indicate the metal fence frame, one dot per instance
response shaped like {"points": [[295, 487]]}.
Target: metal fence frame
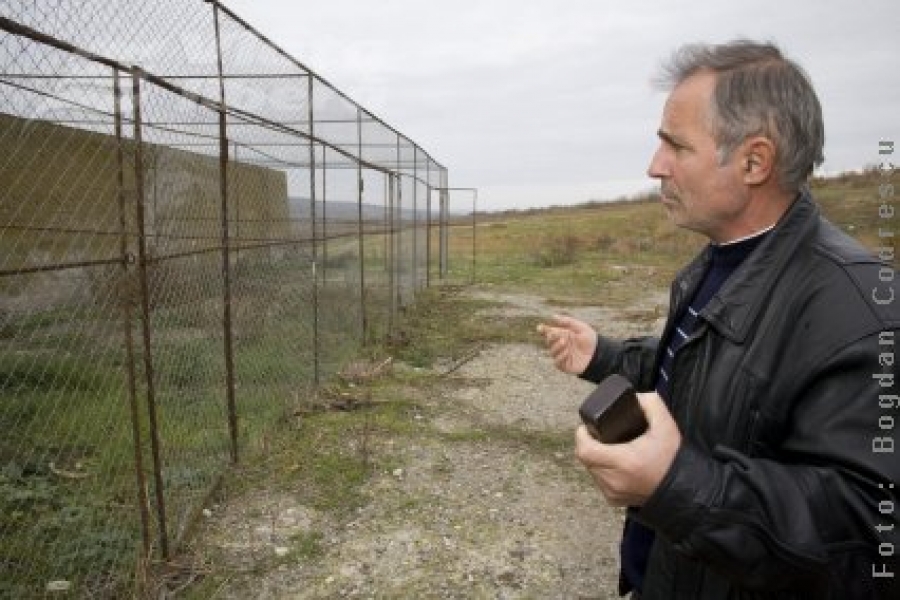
{"points": [[135, 268]]}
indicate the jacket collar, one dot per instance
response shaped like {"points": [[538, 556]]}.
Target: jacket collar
{"points": [[733, 310]]}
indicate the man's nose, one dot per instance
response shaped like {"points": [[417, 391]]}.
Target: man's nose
{"points": [[658, 167]]}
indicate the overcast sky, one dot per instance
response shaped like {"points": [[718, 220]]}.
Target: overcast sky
{"points": [[542, 102]]}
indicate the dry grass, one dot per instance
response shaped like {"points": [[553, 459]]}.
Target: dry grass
{"points": [[587, 253]]}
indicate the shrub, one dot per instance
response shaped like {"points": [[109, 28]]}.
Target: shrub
{"points": [[556, 251]]}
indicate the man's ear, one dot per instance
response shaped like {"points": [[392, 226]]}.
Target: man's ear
{"points": [[758, 157]]}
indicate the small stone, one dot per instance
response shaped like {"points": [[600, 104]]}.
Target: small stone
{"points": [[281, 551], [59, 585]]}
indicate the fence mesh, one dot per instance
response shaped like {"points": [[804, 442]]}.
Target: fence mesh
{"points": [[195, 231]]}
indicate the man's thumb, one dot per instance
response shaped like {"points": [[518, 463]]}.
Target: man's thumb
{"points": [[653, 406], [564, 321]]}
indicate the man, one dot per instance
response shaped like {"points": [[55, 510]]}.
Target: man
{"points": [[758, 476]]}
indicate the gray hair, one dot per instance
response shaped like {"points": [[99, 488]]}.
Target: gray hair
{"points": [[757, 92]]}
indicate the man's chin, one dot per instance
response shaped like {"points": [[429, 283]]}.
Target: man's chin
{"points": [[675, 215], [671, 208]]}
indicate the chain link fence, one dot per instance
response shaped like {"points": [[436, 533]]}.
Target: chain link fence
{"points": [[195, 231]]}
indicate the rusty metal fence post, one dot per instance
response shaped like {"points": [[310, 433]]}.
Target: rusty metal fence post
{"points": [[125, 303], [227, 333], [360, 229], [143, 260], [315, 241]]}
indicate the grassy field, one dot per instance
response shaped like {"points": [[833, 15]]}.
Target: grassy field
{"points": [[590, 253]]}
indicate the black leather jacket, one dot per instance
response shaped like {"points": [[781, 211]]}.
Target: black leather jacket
{"points": [[775, 490]]}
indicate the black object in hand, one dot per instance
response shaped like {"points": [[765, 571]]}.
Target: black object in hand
{"points": [[612, 413]]}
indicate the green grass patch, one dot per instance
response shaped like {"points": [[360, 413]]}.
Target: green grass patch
{"points": [[445, 324]]}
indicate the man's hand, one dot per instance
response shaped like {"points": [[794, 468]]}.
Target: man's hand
{"points": [[571, 343], [628, 474]]}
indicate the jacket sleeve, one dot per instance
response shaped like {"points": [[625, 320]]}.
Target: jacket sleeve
{"points": [[632, 358], [823, 507]]}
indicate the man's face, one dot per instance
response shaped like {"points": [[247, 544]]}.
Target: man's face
{"points": [[698, 193]]}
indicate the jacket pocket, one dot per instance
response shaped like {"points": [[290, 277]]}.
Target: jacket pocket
{"points": [[736, 425]]}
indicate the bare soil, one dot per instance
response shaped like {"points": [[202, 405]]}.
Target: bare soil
{"points": [[483, 499]]}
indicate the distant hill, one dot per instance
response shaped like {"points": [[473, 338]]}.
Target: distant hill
{"points": [[337, 210]]}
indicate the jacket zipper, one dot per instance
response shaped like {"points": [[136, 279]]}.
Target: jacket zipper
{"points": [[690, 400]]}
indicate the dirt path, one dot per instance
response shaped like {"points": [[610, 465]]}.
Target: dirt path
{"points": [[482, 500]]}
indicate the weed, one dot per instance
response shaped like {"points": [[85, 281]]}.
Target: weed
{"points": [[305, 545], [556, 251]]}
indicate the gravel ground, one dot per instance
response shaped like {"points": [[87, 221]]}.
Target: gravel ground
{"points": [[477, 508]]}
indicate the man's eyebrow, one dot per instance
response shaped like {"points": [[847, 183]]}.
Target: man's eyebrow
{"points": [[669, 138]]}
